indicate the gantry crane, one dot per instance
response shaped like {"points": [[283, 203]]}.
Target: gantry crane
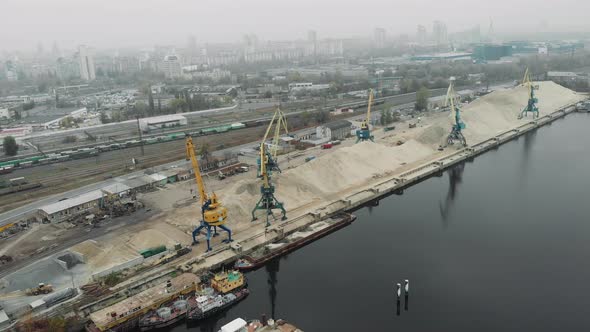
{"points": [[267, 164], [364, 133], [213, 214], [456, 134], [532, 102]]}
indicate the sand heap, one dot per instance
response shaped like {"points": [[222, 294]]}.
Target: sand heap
{"points": [[498, 111], [325, 178], [103, 255]]}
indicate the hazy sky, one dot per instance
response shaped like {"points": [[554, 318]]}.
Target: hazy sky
{"points": [[119, 23]]}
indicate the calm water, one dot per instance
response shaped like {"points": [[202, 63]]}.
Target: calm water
{"points": [[499, 244]]}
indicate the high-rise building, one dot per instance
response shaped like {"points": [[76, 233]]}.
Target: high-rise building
{"points": [[312, 39], [86, 61], [379, 36], [171, 66], [439, 32], [67, 68], [10, 71], [421, 34]]}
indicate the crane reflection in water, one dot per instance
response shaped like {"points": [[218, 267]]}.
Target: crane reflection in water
{"points": [[455, 178]]}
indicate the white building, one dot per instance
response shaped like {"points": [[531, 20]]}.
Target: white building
{"points": [[171, 66], [86, 62], [307, 86], [164, 121], [5, 113]]}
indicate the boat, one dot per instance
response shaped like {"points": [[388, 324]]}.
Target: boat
{"points": [[317, 230], [208, 305], [217, 294], [164, 316]]}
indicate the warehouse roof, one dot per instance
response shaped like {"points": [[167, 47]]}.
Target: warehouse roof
{"points": [[157, 177], [71, 202], [163, 118], [3, 317], [338, 124], [116, 188]]}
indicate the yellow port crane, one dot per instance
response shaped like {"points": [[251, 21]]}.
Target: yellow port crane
{"points": [[267, 163], [213, 214], [364, 133]]}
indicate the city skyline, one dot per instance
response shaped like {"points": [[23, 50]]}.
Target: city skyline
{"points": [[132, 23]]}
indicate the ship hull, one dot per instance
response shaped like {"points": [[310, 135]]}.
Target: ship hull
{"points": [[197, 315], [251, 263], [158, 325]]}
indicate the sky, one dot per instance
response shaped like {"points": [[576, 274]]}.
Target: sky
{"points": [[134, 23]]}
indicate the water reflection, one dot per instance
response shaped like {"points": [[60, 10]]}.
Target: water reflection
{"points": [[272, 269], [529, 141], [455, 178]]}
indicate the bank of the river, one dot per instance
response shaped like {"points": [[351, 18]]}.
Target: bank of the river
{"points": [[499, 244]]}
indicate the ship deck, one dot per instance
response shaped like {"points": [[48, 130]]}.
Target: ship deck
{"points": [[139, 304]]}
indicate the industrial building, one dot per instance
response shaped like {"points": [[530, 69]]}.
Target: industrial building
{"points": [[164, 121], [334, 130], [66, 209]]}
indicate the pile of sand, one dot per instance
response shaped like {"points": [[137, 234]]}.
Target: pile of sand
{"points": [[150, 238], [498, 112], [104, 255], [324, 178]]}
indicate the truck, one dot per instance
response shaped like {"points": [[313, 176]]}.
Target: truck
{"points": [[41, 289]]}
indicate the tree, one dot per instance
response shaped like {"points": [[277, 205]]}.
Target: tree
{"points": [[422, 99], [178, 104], [205, 152], [151, 100], [10, 146], [322, 116]]}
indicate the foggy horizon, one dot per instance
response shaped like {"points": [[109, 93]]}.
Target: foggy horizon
{"points": [[136, 23]]}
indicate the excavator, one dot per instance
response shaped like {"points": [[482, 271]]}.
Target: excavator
{"points": [[531, 106], [213, 214], [364, 133], [267, 164]]}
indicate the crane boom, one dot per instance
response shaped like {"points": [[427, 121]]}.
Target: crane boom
{"points": [[190, 154], [369, 106]]}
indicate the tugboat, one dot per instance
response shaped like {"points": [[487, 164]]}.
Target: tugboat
{"points": [[224, 290], [164, 316]]}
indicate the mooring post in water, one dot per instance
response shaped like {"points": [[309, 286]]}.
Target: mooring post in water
{"points": [[406, 293], [399, 293]]}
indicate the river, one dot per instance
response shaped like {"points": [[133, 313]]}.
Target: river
{"points": [[498, 244]]}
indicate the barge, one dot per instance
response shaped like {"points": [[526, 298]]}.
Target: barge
{"points": [[294, 241]]}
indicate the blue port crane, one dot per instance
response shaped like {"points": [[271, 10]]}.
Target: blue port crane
{"points": [[451, 101], [267, 164], [364, 133], [531, 106], [213, 214]]}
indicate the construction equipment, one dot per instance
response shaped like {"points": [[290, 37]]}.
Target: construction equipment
{"points": [[41, 289], [267, 164], [531, 106], [364, 133], [451, 101], [212, 212]]}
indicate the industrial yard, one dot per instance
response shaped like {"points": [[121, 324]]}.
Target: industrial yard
{"points": [[314, 184]]}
